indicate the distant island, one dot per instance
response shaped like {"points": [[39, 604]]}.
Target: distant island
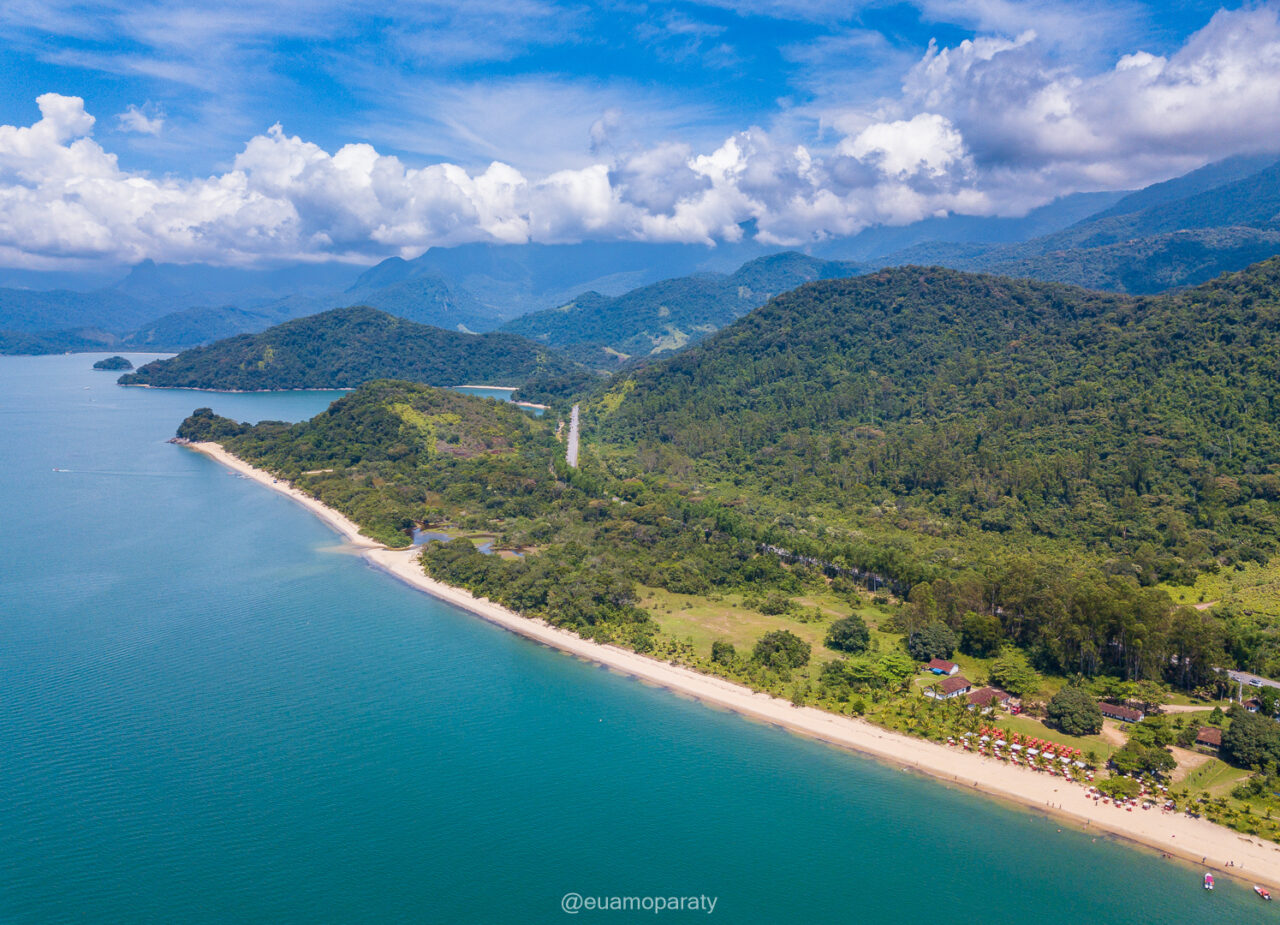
{"points": [[346, 347], [115, 363]]}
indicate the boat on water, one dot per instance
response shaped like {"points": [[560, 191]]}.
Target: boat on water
{"points": [[1263, 892], [1208, 881]]}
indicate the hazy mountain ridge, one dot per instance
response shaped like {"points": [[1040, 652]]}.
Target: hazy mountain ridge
{"points": [[673, 313], [1179, 233], [1219, 218]]}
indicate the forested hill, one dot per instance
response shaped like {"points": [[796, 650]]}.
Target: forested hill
{"points": [[668, 315], [348, 346], [964, 409], [387, 453], [1178, 233]]}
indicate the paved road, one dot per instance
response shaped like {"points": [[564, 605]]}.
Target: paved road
{"points": [[571, 454]]}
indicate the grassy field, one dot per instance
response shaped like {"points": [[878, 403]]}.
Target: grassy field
{"points": [[701, 619], [1251, 587], [1028, 726], [1214, 777]]}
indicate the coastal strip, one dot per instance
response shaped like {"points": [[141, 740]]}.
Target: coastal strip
{"points": [[1199, 841]]}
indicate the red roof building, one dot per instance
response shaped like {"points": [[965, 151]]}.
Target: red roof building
{"points": [[950, 687], [1209, 736], [942, 666], [989, 697], [1124, 714]]}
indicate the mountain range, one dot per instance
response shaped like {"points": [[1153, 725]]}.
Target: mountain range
{"points": [[1219, 218]]}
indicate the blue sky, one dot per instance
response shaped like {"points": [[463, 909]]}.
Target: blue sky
{"points": [[661, 121]]}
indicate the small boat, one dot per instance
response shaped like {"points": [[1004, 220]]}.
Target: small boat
{"points": [[1263, 892], [1208, 881]]}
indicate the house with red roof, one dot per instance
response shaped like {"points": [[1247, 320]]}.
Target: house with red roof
{"points": [[1209, 737], [942, 666], [988, 698], [1124, 714], [950, 687]]}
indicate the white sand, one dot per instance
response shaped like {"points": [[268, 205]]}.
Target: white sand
{"points": [[1254, 859]]}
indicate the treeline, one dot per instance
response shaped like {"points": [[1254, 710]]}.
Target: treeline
{"points": [[1082, 622]]}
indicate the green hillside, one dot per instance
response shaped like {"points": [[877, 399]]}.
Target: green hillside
{"points": [[972, 413], [348, 346]]}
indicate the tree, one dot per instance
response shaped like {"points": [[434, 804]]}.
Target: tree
{"points": [[1143, 759], [1075, 712], [1251, 739], [775, 603], [1122, 787], [935, 640], [723, 652], [782, 649], [849, 635], [980, 634], [1269, 697], [1014, 673], [1149, 694]]}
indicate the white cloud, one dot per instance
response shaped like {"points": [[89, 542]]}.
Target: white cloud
{"points": [[1148, 115], [926, 144], [135, 119], [991, 125]]}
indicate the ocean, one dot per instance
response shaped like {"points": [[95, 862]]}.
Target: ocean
{"points": [[211, 712]]}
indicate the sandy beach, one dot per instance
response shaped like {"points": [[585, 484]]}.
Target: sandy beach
{"points": [[1207, 845]]}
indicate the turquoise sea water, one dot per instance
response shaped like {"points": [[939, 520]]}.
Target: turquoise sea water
{"points": [[210, 713]]}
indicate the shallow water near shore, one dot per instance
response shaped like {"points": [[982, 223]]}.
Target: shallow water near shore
{"points": [[204, 717]]}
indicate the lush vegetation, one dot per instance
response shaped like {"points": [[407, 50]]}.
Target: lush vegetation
{"points": [[1034, 452], [1075, 712], [349, 346], [113, 363], [395, 454], [668, 315]]}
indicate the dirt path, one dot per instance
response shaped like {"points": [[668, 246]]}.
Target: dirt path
{"points": [[1112, 734], [1187, 760], [1186, 707]]}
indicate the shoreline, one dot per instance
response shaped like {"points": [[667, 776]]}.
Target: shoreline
{"points": [[1254, 860], [196, 388], [343, 388]]}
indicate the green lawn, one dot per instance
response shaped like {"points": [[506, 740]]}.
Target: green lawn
{"points": [[1252, 587], [1029, 726], [702, 619], [1214, 776]]}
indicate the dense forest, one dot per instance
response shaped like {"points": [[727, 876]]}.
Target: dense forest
{"points": [[347, 346], [972, 412]]}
